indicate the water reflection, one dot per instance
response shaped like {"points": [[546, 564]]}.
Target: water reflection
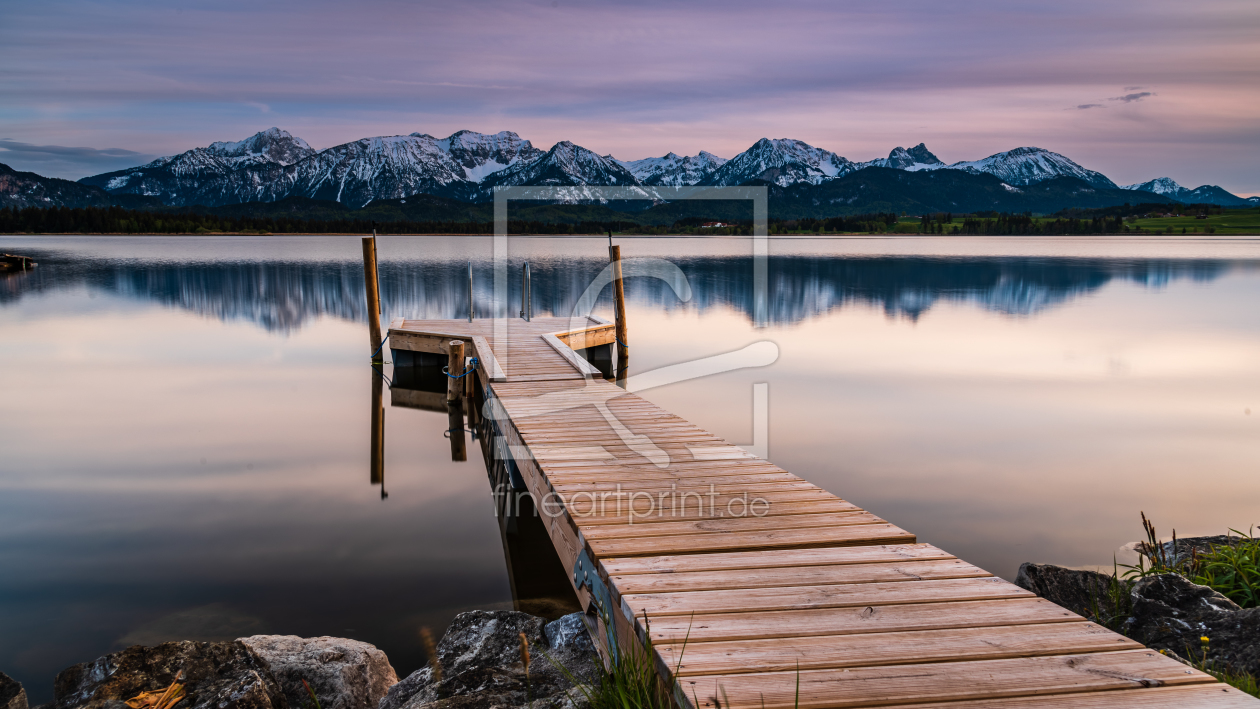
{"points": [[283, 296]]}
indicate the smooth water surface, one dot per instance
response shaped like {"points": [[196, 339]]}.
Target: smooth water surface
{"points": [[185, 421]]}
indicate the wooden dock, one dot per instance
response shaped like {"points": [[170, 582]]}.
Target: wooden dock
{"points": [[645, 507]]}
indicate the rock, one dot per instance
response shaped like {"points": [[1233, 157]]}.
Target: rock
{"points": [[12, 695], [1172, 613], [1086, 593], [1185, 548], [221, 675], [480, 661], [345, 674]]}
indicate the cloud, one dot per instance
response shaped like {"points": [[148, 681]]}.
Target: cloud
{"points": [[1130, 98], [67, 162], [1084, 106], [1134, 88]]}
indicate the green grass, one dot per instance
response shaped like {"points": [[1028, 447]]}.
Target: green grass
{"points": [[1232, 221]]}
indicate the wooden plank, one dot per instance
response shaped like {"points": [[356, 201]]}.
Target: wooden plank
{"points": [[486, 356], [791, 625], [807, 576], [728, 525], [903, 648], [944, 681], [1201, 696], [773, 559], [805, 597], [772, 539], [571, 357]]}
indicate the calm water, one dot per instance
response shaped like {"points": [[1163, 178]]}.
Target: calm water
{"points": [[185, 422]]}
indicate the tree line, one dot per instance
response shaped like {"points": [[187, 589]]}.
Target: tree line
{"points": [[116, 220]]}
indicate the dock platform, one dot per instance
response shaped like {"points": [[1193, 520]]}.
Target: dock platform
{"points": [[753, 580]]}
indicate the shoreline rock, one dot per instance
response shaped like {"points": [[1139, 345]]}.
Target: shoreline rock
{"points": [[218, 675], [344, 674], [1165, 612], [12, 694], [479, 661], [481, 664]]}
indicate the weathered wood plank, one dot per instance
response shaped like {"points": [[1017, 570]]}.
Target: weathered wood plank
{"points": [[790, 625], [903, 648], [806, 597], [945, 681]]}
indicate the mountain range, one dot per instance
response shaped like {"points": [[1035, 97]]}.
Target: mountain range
{"points": [[467, 166]]}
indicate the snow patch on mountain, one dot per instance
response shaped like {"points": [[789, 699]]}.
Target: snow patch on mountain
{"points": [[912, 160], [569, 166], [1203, 194], [781, 161], [1025, 166], [674, 170]]}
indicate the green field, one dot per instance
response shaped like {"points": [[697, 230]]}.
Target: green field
{"points": [[1232, 221]]}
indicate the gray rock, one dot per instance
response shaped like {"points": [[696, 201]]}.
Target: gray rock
{"points": [[12, 695], [1183, 549], [569, 632], [1086, 593], [221, 675], [481, 665], [1172, 613], [344, 674]]}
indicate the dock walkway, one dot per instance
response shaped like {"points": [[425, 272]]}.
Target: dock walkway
{"points": [[645, 507]]}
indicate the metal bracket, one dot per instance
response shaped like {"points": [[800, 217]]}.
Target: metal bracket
{"points": [[585, 574]]}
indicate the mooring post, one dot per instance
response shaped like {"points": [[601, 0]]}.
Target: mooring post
{"points": [[619, 301], [377, 456], [470, 293], [527, 297], [454, 367], [373, 296], [455, 429]]}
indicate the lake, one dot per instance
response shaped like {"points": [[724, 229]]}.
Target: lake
{"points": [[185, 421]]}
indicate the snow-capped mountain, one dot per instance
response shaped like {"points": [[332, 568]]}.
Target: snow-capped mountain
{"points": [[782, 161], [674, 170], [272, 145], [482, 155], [913, 160], [566, 165], [273, 164], [1204, 194], [197, 176], [1024, 166], [466, 165]]}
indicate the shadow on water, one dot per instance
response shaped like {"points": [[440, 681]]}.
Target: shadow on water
{"points": [[539, 582], [282, 296]]}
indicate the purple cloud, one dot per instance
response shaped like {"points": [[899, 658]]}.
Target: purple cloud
{"points": [[1130, 98]]}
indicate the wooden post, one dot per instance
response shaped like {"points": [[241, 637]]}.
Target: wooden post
{"points": [[527, 296], [373, 297], [470, 293], [454, 366], [619, 300], [455, 429], [377, 456]]}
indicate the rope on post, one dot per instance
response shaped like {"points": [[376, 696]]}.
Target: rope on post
{"points": [[472, 367]]}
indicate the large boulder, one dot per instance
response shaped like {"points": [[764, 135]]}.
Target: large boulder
{"points": [[220, 675], [481, 664], [1172, 613], [344, 674], [1089, 594], [12, 695]]}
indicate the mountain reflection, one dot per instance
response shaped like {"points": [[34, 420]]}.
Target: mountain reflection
{"points": [[281, 296]]}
